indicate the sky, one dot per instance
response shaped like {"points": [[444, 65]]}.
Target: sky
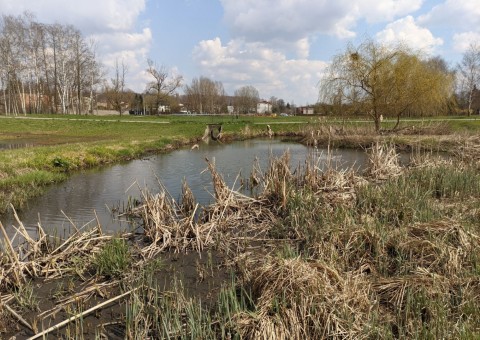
{"points": [[281, 47]]}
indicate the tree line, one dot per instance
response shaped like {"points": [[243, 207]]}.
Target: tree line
{"points": [[46, 67], [52, 68]]}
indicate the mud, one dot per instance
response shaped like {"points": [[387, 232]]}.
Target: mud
{"points": [[198, 275]]}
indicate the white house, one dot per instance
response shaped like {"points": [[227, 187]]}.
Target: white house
{"points": [[306, 110], [264, 107]]}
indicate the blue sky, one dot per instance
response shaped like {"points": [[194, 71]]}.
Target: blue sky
{"points": [[279, 46]]}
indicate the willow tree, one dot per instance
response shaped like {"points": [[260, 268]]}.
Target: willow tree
{"points": [[384, 81]]}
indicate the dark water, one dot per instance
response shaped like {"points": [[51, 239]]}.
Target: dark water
{"points": [[103, 191], [15, 144]]}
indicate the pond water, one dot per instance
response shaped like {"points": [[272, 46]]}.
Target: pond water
{"points": [[102, 191]]}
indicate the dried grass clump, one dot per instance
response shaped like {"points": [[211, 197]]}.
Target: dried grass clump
{"points": [[46, 257], [443, 247], [234, 214], [468, 150], [383, 162], [165, 227], [322, 132], [188, 203], [168, 225], [429, 160], [277, 179], [336, 185], [296, 299]]}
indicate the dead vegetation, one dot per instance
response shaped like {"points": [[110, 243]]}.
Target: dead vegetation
{"points": [[318, 253]]}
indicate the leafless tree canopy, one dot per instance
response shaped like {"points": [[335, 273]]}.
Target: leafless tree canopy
{"points": [[205, 95], [116, 94], [469, 75], [164, 83], [246, 99], [45, 68]]}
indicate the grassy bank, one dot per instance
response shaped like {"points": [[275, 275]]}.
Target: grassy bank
{"points": [[391, 252]]}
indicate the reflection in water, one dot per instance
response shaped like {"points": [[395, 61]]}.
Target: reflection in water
{"points": [[100, 191]]}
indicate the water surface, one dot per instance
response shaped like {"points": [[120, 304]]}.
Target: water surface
{"points": [[99, 193]]}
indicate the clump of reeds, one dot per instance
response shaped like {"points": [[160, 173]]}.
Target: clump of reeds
{"points": [[164, 225], [468, 150], [383, 162], [114, 259], [426, 127], [44, 256], [298, 299], [188, 204]]}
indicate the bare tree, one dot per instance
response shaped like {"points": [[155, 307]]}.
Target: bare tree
{"points": [[43, 67], [116, 94], [164, 83], [205, 95], [469, 72], [246, 99]]}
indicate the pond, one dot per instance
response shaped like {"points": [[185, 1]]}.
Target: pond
{"points": [[99, 193]]}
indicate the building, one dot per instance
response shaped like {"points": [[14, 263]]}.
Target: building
{"points": [[305, 110], [163, 108], [264, 107]]}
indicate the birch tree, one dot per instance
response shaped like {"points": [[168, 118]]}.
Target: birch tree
{"points": [[44, 67], [469, 72]]}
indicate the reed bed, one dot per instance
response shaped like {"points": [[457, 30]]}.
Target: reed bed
{"points": [[317, 253]]}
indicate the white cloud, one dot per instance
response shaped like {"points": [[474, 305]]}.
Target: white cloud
{"points": [[87, 15], [264, 20], [462, 41], [406, 31], [303, 48], [130, 48], [292, 20], [241, 63], [386, 10], [458, 14]]}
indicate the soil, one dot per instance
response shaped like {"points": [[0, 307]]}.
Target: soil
{"points": [[201, 275]]}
